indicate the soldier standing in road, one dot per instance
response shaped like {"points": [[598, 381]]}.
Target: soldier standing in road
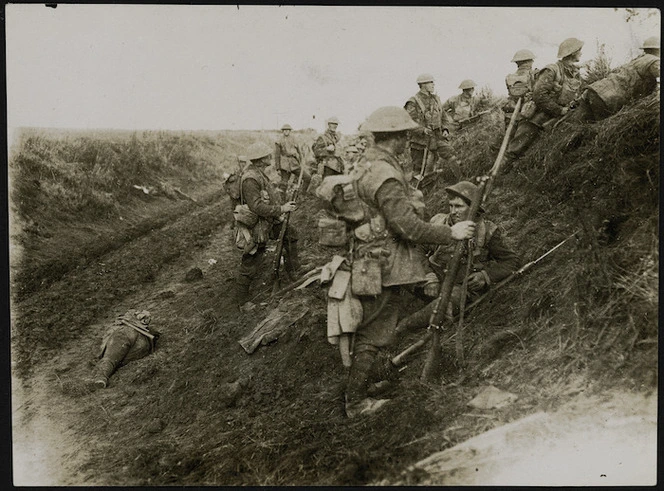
{"points": [[288, 159], [630, 82], [491, 259], [433, 129], [557, 87], [262, 198], [326, 150], [387, 238], [461, 106], [520, 84]]}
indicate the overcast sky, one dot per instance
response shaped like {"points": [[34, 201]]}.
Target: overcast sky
{"points": [[224, 67]]}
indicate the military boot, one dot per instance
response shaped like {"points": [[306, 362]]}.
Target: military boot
{"points": [[240, 294], [103, 371], [357, 402]]}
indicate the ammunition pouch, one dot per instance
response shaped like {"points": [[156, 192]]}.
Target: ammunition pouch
{"points": [[366, 276], [332, 232]]}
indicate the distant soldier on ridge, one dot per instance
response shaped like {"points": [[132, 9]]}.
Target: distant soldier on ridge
{"points": [[432, 133], [326, 150], [462, 106], [289, 159]]}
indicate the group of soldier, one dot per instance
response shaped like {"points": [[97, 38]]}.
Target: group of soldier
{"points": [[381, 209]]}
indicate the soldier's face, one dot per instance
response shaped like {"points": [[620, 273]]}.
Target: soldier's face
{"points": [[286, 132], [428, 87], [332, 126], [458, 210], [469, 92], [576, 56]]}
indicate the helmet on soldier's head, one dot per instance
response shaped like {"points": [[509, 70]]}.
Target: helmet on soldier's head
{"points": [[523, 55], [651, 43], [467, 84], [258, 150], [425, 78], [286, 127], [465, 190], [569, 46], [389, 119], [333, 119]]}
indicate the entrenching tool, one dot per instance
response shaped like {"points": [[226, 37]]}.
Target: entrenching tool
{"points": [[440, 309], [399, 359], [276, 264]]}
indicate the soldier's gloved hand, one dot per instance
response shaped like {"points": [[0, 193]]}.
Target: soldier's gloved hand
{"points": [[463, 230], [476, 281], [330, 148], [288, 207], [564, 110], [427, 131]]}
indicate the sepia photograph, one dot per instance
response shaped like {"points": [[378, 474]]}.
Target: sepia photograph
{"points": [[332, 245]]}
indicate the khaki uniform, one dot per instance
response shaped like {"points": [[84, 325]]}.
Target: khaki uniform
{"points": [[261, 196], [390, 232], [459, 107], [427, 111], [122, 344], [329, 162], [628, 83], [556, 87], [519, 85], [288, 158]]}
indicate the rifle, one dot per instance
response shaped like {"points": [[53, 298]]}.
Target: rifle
{"points": [[282, 233], [398, 360], [475, 116], [436, 320]]}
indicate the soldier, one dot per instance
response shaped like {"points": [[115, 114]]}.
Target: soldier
{"points": [[128, 339], [391, 229], [288, 159], [492, 260], [557, 87], [262, 198], [462, 106], [325, 149], [361, 144], [433, 129], [631, 81], [520, 83]]}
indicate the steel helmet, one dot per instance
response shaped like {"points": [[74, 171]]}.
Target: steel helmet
{"points": [[465, 190], [424, 78], [333, 119], [651, 43], [569, 46], [286, 127], [467, 84], [389, 119], [258, 150], [523, 55]]}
